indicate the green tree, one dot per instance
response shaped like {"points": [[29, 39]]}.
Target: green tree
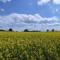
{"points": [[52, 30], [26, 30], [10, 29], [47, 30]]}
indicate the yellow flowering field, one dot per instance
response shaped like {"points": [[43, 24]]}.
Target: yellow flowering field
{"points": [[29, 45]]}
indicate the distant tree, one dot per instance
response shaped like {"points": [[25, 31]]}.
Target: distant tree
{"points": [[10, 29], [2, 30], [52, 30], [26, 30], [47, 30], [35, 31]]}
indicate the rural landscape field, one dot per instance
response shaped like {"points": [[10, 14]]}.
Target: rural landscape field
{"points": [[29, 45], [29, 29]]}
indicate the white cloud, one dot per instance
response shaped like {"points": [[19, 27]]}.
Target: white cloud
{"points": [[22, 21], [56, 1], [4, 1], [40, 2], [36, 18]]}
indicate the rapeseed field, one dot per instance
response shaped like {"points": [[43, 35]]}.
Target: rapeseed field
{"points": [[29, 45]]}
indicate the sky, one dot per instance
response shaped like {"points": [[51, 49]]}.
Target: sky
{"points": [[30, 14]]}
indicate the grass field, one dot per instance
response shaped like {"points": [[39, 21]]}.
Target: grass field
{"points": [[29, 45]]}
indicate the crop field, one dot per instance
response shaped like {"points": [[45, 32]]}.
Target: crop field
{"points": [[29, 45]]}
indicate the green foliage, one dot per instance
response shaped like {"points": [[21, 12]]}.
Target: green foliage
{"points": [[29, 45], [10, 29], [26, 30]]}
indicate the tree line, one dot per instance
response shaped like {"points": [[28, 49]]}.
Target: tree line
{"points": [[26, 30]]}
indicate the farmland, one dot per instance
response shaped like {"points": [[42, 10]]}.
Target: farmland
{"points": [[29, 45]]}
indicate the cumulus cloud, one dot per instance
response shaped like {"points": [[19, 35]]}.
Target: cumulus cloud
{"points": [[4, 1], [29, 21], [41, 2], [56, 1], [26, 18]]}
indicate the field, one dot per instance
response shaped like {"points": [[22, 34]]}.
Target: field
{"points": [[29, 45]]}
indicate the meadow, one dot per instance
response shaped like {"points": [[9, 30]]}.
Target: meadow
{"points": [[29, 45]]}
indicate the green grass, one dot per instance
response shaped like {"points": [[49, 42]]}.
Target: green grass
{"points": [[29, 45]]}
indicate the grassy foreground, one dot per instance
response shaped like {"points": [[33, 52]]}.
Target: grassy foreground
{"points": [[29, 45]]}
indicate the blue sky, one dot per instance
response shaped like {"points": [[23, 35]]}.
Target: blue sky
{"points": [[30, 14], [29, 7]]}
